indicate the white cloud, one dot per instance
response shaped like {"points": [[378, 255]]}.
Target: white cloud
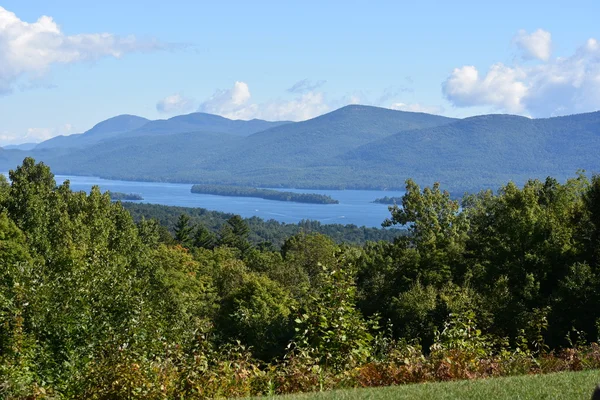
{"points": [[228, 102], [558, 87], [416, 107], [35, 135], [175, 103], [27, 50], [502, 87], [536, 45], [235, 103]]}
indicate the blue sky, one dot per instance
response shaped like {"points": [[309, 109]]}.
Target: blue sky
{"points": [[290, 60]]}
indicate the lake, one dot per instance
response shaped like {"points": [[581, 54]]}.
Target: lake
{"points": [[355, 206]]}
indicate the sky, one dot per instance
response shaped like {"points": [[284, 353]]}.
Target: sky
{"points": [[66, 65]]}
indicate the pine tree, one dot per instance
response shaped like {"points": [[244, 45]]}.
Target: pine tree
{"points": [[183, 230]]}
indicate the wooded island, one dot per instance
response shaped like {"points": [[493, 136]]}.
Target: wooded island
{"points": [[268, 194]]}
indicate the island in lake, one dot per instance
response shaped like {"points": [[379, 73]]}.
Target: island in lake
{"points": [[124, 196], [388, 200], [268, 194]]}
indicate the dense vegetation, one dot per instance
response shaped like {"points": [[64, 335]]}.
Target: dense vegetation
{"points": [[268, 194], [271, 233], [124, 196], [388, 200], [355, 147], [94, 305]]}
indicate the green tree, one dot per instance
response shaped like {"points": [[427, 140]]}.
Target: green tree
{"points": [[204, 238], [31, 186], [329, 327], [235, 234], [437, 234], [302, 253], [183, 230]]}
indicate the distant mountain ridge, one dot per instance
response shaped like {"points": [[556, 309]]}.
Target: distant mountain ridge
{"points": [[22, 146], [352, 147], [127, 126]]}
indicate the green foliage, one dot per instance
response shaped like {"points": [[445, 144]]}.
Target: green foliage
{"points": [[183, 230], [235, 233], [329, 328], [204, 238], [257, 312], [93, 305], [437, 231]]}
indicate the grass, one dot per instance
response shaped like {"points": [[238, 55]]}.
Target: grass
{"points": [[562, 385]]}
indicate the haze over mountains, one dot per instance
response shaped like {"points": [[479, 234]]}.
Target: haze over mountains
{"points": [[352, 147]]}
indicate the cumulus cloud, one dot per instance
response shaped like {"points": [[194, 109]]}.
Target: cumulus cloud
{"points": [[502, 87], [35, 135], [228, 102], [536, 45], [560, 86], [305, 86], [175, 103], [235, 103], [27, 50]]}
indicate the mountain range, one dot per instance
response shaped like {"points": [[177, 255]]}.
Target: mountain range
{"points": [[360, 147]]}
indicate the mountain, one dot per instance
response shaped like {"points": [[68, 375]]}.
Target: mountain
{"points": [[99, 132], [201, 122], [318, 140], [148, 158], [128, 126], [356, 147], [22, 146], [272, 156], [487, 150]]}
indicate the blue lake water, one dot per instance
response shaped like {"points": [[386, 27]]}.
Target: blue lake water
{"points": [[355, 205]]}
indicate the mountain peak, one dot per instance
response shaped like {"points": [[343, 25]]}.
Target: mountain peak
{"points": [[120, 123]]}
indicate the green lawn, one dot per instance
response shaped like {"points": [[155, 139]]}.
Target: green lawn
{"points": [[564, 385]]}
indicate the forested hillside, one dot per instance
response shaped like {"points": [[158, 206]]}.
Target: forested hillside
{"points": [[482, 151], [96, 305]]}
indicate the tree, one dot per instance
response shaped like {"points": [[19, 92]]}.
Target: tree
{"points": [[149, 232], [235, 234], [303, 253], [329, 327], [437, 234], [204, 238], [31, 186], [183, 230]]}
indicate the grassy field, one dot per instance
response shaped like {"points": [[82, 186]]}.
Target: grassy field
{"points": [[564, 385]]}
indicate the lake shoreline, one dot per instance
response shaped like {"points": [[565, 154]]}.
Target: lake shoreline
{"points": [[355, 206], [197, 182]]}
